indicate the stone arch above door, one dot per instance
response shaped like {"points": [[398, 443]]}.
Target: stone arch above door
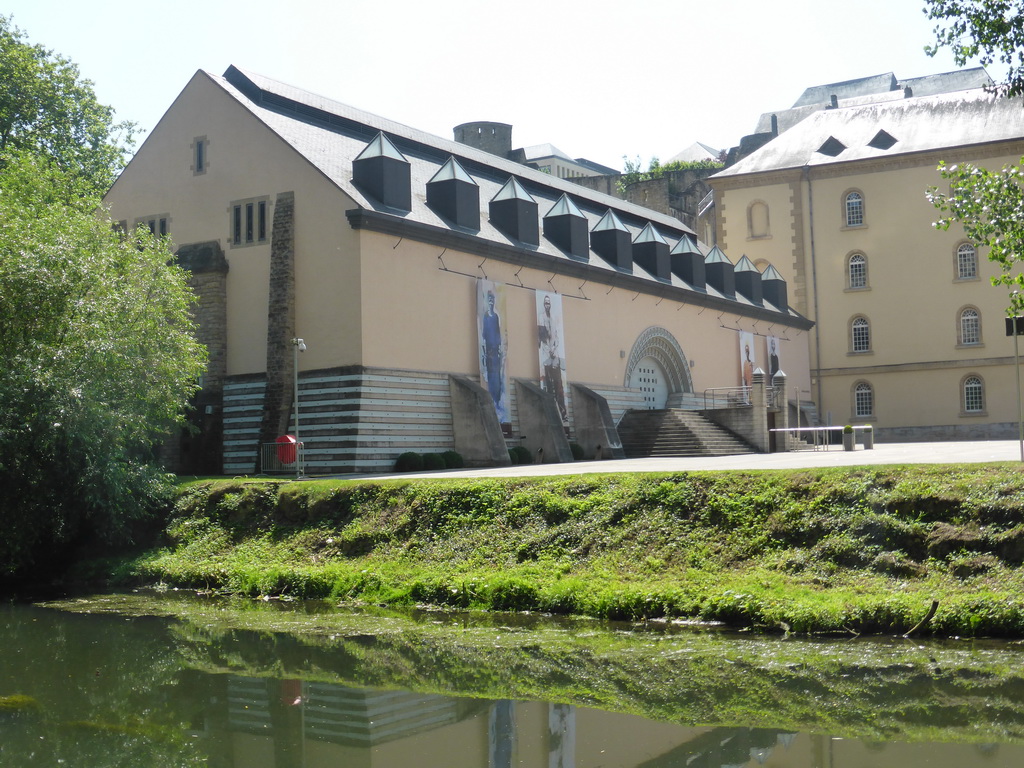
{"points": [[659, 345]]}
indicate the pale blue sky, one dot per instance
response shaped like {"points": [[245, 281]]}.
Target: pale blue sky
{"points": [[598, 79]]}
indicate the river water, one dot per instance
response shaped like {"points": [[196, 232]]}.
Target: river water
{"points": [[155, 680]]}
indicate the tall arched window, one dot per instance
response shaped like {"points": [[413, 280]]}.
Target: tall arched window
{"points": [[860, 335], [966, 262], [857, 271], [974, 395], [863, 400], [854, 209], [970, 326]]}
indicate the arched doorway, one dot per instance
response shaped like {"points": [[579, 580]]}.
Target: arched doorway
{"points": [[657, 367]]}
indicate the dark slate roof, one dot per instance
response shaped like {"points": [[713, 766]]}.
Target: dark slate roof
{"points": [[329, 135], [916, 124], [870, 90], [847, 89]]}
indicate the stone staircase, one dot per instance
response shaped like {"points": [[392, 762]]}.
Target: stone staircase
{"points": [[676, 433]]}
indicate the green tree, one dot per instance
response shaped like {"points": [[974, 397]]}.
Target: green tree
{"points": [[987, 30], [990, 207], [99, 358], [47, 109]]}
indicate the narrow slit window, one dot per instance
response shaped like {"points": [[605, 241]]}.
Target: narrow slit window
{"points": [[248, 222], [236, 225], [262, 220]]}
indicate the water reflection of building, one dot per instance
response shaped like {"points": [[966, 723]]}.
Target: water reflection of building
{"points": [[267, 723]]}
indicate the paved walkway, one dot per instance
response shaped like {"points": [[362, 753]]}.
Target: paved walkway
{"points": [[972, 452]]}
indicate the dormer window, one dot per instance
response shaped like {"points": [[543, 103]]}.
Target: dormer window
{"points": [[832, 147], [882, 140]]}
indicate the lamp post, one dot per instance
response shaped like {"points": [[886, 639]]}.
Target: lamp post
{"points": [[1014, 324], [298, 346]]}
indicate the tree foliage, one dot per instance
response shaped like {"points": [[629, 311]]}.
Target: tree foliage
{"points": [[655, 170], [990, 207], [991, 31], [100, 359], [48, 110]]}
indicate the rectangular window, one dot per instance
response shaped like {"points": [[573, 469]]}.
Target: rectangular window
{"points": [[249, 221], [200, 155], [157, 224]]}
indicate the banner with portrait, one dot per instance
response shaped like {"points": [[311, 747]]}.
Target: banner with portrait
{"points": [[550, 348], [772, 347], [748, 359], [492, 341]]}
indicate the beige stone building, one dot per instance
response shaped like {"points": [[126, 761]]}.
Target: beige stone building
{"points": [[385, 249], [909, 331]]}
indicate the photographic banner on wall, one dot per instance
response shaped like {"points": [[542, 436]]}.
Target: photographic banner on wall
{"points": [[550, 348], [748, 359], [773, 346], [492, 339]]}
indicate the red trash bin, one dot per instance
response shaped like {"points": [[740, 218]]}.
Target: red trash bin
{"points": [[287, 449]]}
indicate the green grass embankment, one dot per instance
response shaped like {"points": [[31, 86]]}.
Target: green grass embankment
{"points": [[859, 550]]}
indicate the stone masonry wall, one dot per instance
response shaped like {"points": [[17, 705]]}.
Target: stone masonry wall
{"points": [[280, 321]]}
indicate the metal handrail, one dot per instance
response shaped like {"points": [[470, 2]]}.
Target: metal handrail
{"points": [[727, 397]]}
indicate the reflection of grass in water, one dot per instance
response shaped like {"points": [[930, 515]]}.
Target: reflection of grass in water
{"points": [[873, 689], [853, 550], [19, 704]]}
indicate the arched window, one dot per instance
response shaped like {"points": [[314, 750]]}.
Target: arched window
{"points": [[757, 219], [857, 271], [966, 262], [970, 326], [863, 400], [854, 208], [974, 394], [860, 335]]}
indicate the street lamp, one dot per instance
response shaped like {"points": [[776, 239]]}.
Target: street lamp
{"points": [[1013, 323], [299, 346]]}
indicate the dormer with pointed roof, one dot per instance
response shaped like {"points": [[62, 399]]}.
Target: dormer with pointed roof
{"points": [[384, 173], [453, 194], [566, 227], [610, 239], [650, 251], [748, 281], [720, 272], [687, 263], [773, 288], [513, 212]]}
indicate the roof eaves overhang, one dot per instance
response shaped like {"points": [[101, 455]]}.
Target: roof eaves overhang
{"points": [[375, 221]]}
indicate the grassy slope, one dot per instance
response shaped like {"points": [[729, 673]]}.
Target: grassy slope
{"points": [[850, 550]]}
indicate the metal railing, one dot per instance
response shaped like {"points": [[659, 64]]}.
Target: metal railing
{"points": [[281, 458], [726, 397]]}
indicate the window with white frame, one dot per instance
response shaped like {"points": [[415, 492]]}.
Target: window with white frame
{"points": [[249, 221], [966, 262], [854, 209], [857, 271], [860, 335], [970, 326], [863, 400], [974, 395]]}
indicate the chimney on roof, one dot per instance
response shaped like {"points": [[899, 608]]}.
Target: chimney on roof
{"points": [[775, 125], [833, 102], [908, 92]]}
